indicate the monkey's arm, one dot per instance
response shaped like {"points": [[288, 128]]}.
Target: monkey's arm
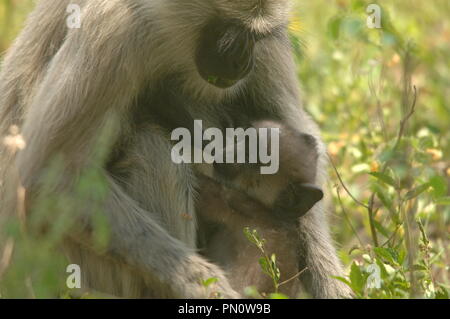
{"points": [[221, 204], [97, 71]]}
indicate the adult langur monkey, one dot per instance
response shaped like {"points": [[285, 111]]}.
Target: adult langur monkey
{"points": [[60, 86]]}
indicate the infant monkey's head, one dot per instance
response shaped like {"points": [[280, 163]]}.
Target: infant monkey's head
{"points": [[289, 193]]}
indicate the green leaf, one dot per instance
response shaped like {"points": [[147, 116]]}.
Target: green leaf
{"points": [[334, 27], [344, 280], [388, 254], [252, 292], [401, 256], [357, 278], [278, 296], [209, 282], [419, 267], [439, 185], [424, 236], [384, 178], [387, 202], [442, 293], [445, 201], [417, 191], [253, 237], [265, 266], [275, 269], [249, 235], [381, 229]]}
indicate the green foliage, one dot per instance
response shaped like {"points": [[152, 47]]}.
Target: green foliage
{"points": [[380, 96], [268, 265], [12, 14]]}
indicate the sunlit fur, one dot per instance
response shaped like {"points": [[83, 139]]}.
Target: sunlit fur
{"points": [[61, 86]]}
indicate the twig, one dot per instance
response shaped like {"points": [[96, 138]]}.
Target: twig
{"points": [[400, 135], [374, 92], [368, 207], [405, 120], [392, 237], [292, 278], [346, 216], [373, 230], [409, 248], [344, 186]]}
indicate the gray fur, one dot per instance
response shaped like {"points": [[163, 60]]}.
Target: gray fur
{"points": [[61, 86]]}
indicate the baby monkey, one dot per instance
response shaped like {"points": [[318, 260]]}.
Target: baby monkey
{"points": [[290, 192], [239, 197]]}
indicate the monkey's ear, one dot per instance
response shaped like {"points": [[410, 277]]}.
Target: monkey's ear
{"points": [[297, 200]]}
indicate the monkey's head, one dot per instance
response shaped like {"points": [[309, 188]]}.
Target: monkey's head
{"points": [[291, 192], [225, 52]]}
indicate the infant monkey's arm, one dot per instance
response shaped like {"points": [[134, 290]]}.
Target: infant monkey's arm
{"points": [[225, 205]]}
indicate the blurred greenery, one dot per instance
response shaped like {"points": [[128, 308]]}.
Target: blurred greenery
{"points": [[381, 99]]}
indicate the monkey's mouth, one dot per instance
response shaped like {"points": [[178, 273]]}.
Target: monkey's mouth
{"points": [[221, 82]]}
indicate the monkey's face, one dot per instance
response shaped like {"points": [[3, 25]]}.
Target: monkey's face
{"points": [[226, 50]]}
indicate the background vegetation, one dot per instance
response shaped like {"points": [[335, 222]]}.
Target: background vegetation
{"points": [[381, 98]]}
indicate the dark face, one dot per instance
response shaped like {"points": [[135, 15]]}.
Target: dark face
{"points": [[225, 53], [296, 200]]}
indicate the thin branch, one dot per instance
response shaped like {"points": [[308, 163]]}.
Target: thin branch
{"points": [[346, 216], [392, 237], [400, 135], [344, 186], [292, 278], [374, 92], [409, 247], [405, 120], [372, 220]]}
